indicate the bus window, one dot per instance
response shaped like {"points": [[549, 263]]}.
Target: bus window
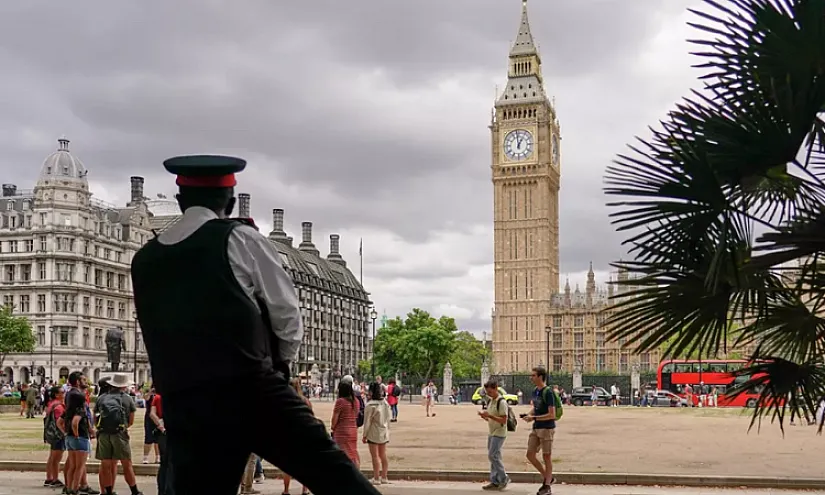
{"points": [[741, 379], [719, 368], [668, 368], [684, 368], [734, 367]]}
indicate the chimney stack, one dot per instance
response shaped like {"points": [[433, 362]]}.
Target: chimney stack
{"points": [[306, 239], [9, 190], [289, 241], [278, 233], [137, 190], [243, 205], [334, 253]]}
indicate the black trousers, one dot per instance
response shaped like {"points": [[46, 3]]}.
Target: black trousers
{"points": [[209, 444], [164, 473]]}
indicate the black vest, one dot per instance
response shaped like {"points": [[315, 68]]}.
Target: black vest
{"points": [[197, 322]]}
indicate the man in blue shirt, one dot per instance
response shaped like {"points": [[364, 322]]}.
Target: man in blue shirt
{"points": [[543, 417]]}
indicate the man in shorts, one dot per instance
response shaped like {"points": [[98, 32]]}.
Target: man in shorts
{"points": [[115, 413], [543, 417], [75, 423]]}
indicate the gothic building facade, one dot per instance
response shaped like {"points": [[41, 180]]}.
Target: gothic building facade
{"points": [[65, 260]]}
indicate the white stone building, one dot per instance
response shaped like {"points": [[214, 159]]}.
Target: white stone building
{"points": [[65, 260]]}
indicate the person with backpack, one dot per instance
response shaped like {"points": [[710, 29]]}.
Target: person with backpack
{"points": [[393, 395], [115, 413], [543, 416], [497, 415], [54, 437]]}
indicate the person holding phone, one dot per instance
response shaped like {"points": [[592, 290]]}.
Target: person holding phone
{"points": [[496, 416]]}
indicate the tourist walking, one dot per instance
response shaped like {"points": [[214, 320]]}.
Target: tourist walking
{"points": [[217, 309], [115, 412], [296, 384], [496, 417], [428, 394], [543, 417], [393, 396], [150, 443], [377, 432], [344, 426]]}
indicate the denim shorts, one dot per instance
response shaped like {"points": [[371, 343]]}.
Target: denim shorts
{"points": [[75, 444]]}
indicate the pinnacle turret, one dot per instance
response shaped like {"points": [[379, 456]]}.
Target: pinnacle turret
{"points": [[524, 44]]}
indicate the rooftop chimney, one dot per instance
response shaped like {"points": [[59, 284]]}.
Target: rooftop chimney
{"points": [[278, 233], [334, 254], [137, 190], [306, 239], [9, 190], [243, 205], [289, 241]]}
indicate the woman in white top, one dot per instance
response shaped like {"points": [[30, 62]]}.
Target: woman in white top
{"points": [[377, 432], [428, 397]]}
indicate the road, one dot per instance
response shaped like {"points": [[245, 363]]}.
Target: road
{"points": [[14, 483]]}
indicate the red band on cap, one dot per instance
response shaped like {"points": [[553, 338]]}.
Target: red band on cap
{"points": [[207, 181]]}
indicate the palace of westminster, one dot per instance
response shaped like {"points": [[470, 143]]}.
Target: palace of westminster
{"points": [[65, 259]]}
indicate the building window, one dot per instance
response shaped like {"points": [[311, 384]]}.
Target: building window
{"points": [[558, 362], [41, 303], [63, 336], [41, 335], [25, 303], [41, 269], [65, 244], [121, 281], [87, 273], [28, 245], [8, 301], [65, 272], [43, 243], [118, 256], [98, 307], [623, 363], [98, 338], [601, 362], [121, 310], [110, 280], [645, 362], [557, 340], [86, 305], [64, 303], [26, 272], [599, 319], [43, 222], [9, 273], [110, 309], [578, 321], [86, 338], [98, 277], [599, 339], [12, 244], [578, 340], [557, 322]]}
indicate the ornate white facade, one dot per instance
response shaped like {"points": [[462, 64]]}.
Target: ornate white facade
{"points": [[65, 260]]}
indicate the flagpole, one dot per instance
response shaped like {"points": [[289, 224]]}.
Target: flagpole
{"points": [[361, 256]]}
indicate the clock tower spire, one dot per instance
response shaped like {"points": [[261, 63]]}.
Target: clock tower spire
{"points": [[526, 173]]}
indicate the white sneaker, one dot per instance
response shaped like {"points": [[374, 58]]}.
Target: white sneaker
{"points": [[145, 459], [375, 481], [385, 481]]}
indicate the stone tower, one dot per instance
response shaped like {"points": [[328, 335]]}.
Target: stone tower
{"points": [[526, 173]]}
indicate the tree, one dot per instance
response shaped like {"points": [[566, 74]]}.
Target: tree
{"points": [[467, 356], [419, 345], [723, 206], [15, 333]]}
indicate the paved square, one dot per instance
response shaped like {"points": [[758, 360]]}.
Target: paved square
{"points": [[614, 440]]}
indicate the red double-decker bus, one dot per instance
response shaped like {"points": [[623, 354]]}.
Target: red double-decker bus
{"points": [[701, 377]]}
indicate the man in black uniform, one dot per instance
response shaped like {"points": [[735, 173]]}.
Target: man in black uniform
{"points": [[217, 310]]}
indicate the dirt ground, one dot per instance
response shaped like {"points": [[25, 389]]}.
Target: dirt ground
{"points": [[618, 440]]}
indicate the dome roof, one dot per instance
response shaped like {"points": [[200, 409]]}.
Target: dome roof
{"points": [[63, 165]]}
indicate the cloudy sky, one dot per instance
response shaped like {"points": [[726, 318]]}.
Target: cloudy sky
{"points": [[367, 117]]}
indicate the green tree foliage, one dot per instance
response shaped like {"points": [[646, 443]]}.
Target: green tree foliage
{"points": [[15, 334], [419, 345], [467, 356], [723, 206]]}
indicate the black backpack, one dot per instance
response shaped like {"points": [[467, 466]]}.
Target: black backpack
{"points": [[51, 433], [359, 421], [111, 413], [396, 391]]}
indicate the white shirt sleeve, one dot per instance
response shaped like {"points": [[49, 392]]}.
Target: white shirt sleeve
{"points": [[258, 267]]}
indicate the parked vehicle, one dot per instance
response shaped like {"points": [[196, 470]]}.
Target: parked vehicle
{"points": [[664, 398], [481, 396], [581, 396]]}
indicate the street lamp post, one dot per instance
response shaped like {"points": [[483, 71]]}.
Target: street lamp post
{"points": [[51, 353], [547, 348], [134, 361], [374, 316]]}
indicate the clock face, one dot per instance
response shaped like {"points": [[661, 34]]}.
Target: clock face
{"points": [[556, 150], [518, 144]]}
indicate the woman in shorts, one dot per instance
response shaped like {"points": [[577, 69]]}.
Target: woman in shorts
{"points": [[377, 432]]}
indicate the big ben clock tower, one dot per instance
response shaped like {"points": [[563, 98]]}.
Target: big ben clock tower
{"points": [[526, 172]]}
